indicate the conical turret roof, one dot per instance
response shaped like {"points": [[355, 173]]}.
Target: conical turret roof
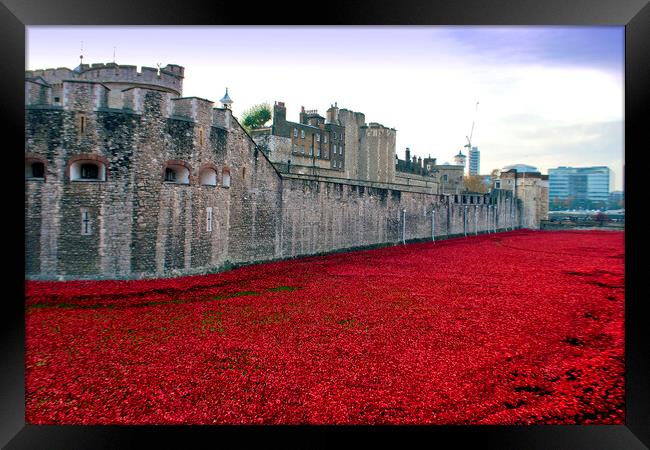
{"points": [[226, 100]]}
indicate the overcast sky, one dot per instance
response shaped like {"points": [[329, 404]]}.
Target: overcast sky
{"points": [[548, 96]]}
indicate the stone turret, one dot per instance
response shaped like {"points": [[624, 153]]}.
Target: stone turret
{"points": [[333, 114], [460, 159], [279, 113]]}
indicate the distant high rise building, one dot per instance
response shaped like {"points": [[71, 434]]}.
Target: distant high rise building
{"points": [[474, 161], [580, 186]]}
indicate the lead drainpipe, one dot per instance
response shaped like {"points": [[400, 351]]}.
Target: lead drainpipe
{"points": [[404, 227], [313, 155]]}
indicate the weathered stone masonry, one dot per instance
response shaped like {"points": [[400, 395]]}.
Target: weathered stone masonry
{"points": [[139, 225]]}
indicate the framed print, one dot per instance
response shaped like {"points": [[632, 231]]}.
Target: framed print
{"points": [[404, 222]]}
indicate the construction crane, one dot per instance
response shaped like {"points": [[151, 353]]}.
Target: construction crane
{"points": [[471, 133]]}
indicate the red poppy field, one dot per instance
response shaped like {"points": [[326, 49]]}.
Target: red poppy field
{"points": [[523, 327]]}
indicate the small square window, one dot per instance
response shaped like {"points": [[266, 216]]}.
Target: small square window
{"points": [[295, 132]]}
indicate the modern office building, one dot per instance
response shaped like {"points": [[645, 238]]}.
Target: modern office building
{"points": [[617, 199], [474, 161], [580, 186]]}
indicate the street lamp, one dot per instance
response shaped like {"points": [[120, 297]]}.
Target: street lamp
{"points": [[487, 218], [465, 221], [433, 225]]}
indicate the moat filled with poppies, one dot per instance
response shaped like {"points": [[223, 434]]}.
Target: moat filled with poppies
{"points": [[522, 327]]}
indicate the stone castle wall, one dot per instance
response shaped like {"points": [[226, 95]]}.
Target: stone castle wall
{"points": [[143, 226], [321, 216]]}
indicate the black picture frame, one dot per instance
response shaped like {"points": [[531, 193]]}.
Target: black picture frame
{"points": [[15, 15]]}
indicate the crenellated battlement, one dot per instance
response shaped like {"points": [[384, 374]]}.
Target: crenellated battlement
{"points": [[115, 76], [378, 127], [87, 96]]}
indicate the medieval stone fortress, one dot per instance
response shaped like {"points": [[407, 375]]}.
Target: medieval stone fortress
{"points": [[125, 178]]}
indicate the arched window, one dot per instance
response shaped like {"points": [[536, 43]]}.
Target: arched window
{"points": [[225, 178], [208, 177], [177, 172], [88, 170], [34, 169]]}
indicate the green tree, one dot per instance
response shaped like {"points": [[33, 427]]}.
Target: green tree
{"points": [[256, 116], [475, 183]]}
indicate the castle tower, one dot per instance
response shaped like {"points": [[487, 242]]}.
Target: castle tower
{"points": [[116, 78]]}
